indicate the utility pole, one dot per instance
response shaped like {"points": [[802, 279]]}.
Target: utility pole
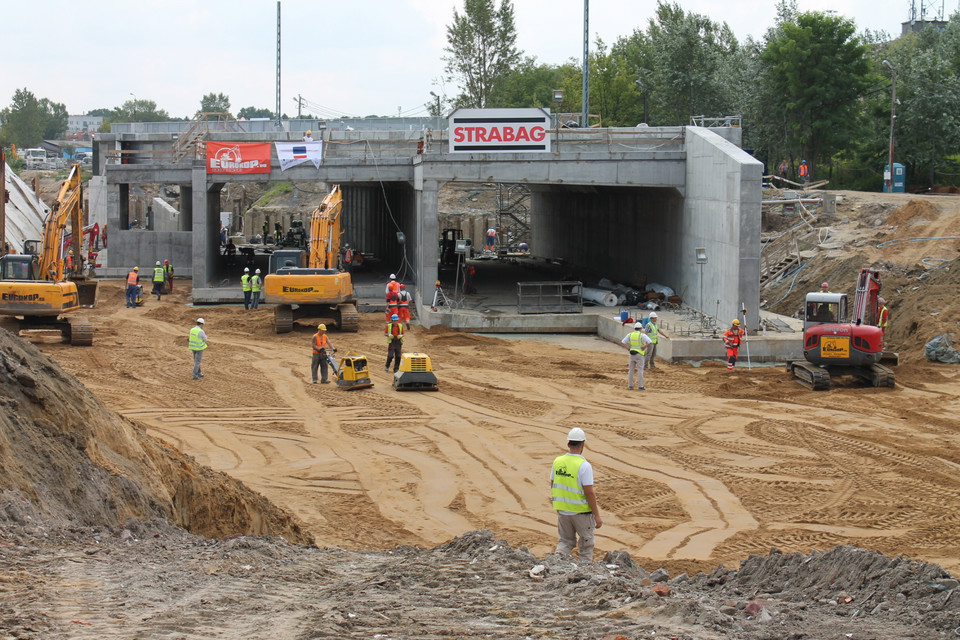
{"points": [[893, 118], [585, 107], [299, 105], [438, 108], [3, 201], [278, 65]]}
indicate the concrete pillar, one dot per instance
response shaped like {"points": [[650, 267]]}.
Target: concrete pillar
{"points": [[203, 266], [427, 226]]}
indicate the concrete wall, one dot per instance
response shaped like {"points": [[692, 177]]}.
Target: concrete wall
{"points": [[137, 247], [164, 216], [721, 213], [616, 232]]}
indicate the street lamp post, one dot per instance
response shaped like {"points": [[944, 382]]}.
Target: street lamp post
{"points": [[134, 110], [893, 116]]}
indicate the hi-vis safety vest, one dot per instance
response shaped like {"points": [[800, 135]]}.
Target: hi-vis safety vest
{"points": [[320, 342], [255, 283], [158, 274], [392, 332], [196, 342], [567, 493], [882, 318], [636, 343], [245, 282], [654, 332], [132, 277]]}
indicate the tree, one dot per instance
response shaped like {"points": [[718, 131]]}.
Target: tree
{"points": [[253, 112], [689, 51], [530, 85], [482, 51], [215, 103], [28, 120], [816, 73]]}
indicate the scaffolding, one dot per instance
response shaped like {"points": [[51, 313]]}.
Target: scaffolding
{"points": [[513, 215]]}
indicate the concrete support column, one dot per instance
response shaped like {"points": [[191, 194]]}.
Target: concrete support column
{"points": [[427, 225], [203, 266]]}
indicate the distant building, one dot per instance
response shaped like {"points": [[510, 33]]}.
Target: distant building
{"points": [[79, 124]]}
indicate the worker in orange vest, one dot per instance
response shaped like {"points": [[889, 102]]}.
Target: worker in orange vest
{"points": [[320, 345], [403, 306], [732, 338], [393, 285], [133, 280], [804, 172]]}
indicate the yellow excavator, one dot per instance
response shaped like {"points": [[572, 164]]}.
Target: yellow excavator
{"points": [[40, 285], [310, 283]]}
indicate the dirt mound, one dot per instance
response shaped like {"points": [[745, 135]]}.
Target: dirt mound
{"points": [[911, 211], [82, 464]]}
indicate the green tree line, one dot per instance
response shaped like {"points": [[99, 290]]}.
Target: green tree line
{"points": [[813, 88]]}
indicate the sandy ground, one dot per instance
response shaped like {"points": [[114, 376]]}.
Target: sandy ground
{"points": [[705, 467]]}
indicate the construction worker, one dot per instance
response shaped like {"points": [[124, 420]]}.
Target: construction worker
{"points": [[320, 345], [246, 286], [309, 136], [732, 339], [347, 258], [882, 316], [393, 285], [158, 279], [256, 284], [168, 272], [394, 334], [804, 172], [636, 342], [653, 330], [825, 287], [70, 260], [491, 239], [573, 497], [403, 304], [393, 303], [198, 344], [133, 281]]}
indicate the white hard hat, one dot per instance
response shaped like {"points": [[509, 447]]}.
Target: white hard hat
{"points": [[576, 435], [393, 276], [199, 320], [158, 263], [881, 300], [653, 314], [245, 269], [257, 271], [639, 325]]}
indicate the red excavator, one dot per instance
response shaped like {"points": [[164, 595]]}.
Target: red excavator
{"points": [[835, 345]]}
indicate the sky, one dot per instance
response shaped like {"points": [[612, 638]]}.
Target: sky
{"points": [[359, 58]]}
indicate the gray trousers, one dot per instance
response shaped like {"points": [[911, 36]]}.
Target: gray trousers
{"points": [[636, 364], [648, 359], [197, 357], [569, 528]]}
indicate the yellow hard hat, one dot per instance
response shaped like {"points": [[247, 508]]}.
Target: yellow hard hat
{"points": [[136, 268], [309, 132], [321, 327], [736, 322]]}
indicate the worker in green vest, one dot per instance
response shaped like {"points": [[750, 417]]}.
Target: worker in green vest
{"points": [[246, 286]]}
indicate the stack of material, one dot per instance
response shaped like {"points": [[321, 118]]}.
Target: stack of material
{"points": [[25, 212]]}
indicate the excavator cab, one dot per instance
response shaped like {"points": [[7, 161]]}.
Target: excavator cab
{"points": [[17, 267]]}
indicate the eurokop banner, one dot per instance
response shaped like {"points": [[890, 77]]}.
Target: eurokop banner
{"points": [[499, 130]]}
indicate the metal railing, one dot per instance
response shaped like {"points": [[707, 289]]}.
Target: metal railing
{"points": [[550, 297]]}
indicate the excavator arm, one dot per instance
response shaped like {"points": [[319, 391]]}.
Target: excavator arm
{"points": [[325, 232], [68, 207]]}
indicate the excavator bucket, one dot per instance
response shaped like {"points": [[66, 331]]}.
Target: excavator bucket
{"points": [[87, 292]]}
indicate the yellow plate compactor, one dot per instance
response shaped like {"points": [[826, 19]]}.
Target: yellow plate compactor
{"points": [[353, 372], [415, 373]]}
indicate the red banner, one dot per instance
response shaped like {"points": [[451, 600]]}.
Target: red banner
{"points": [[238, 157]]}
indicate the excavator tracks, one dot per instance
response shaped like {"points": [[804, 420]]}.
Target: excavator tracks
{"points": [[349, 318], [880, 376], [283, 318], [810, 376], [81, 334]]}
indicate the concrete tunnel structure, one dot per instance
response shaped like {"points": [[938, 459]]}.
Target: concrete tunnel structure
{"points": [[624, 202]]}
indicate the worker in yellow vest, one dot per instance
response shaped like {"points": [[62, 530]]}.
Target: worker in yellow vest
{"points": [[573, 497], [246, 286]]}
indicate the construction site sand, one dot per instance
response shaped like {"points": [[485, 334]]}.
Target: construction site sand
{"points": [[705, 467]]}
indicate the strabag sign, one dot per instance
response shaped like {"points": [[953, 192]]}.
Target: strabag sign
{"points": [[238, 157], [499, 130]]}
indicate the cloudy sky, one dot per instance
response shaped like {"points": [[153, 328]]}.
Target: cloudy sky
{"points": [[365, 57]]}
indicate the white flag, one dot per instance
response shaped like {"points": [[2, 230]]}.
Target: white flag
{"points": [[291, 154]]}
